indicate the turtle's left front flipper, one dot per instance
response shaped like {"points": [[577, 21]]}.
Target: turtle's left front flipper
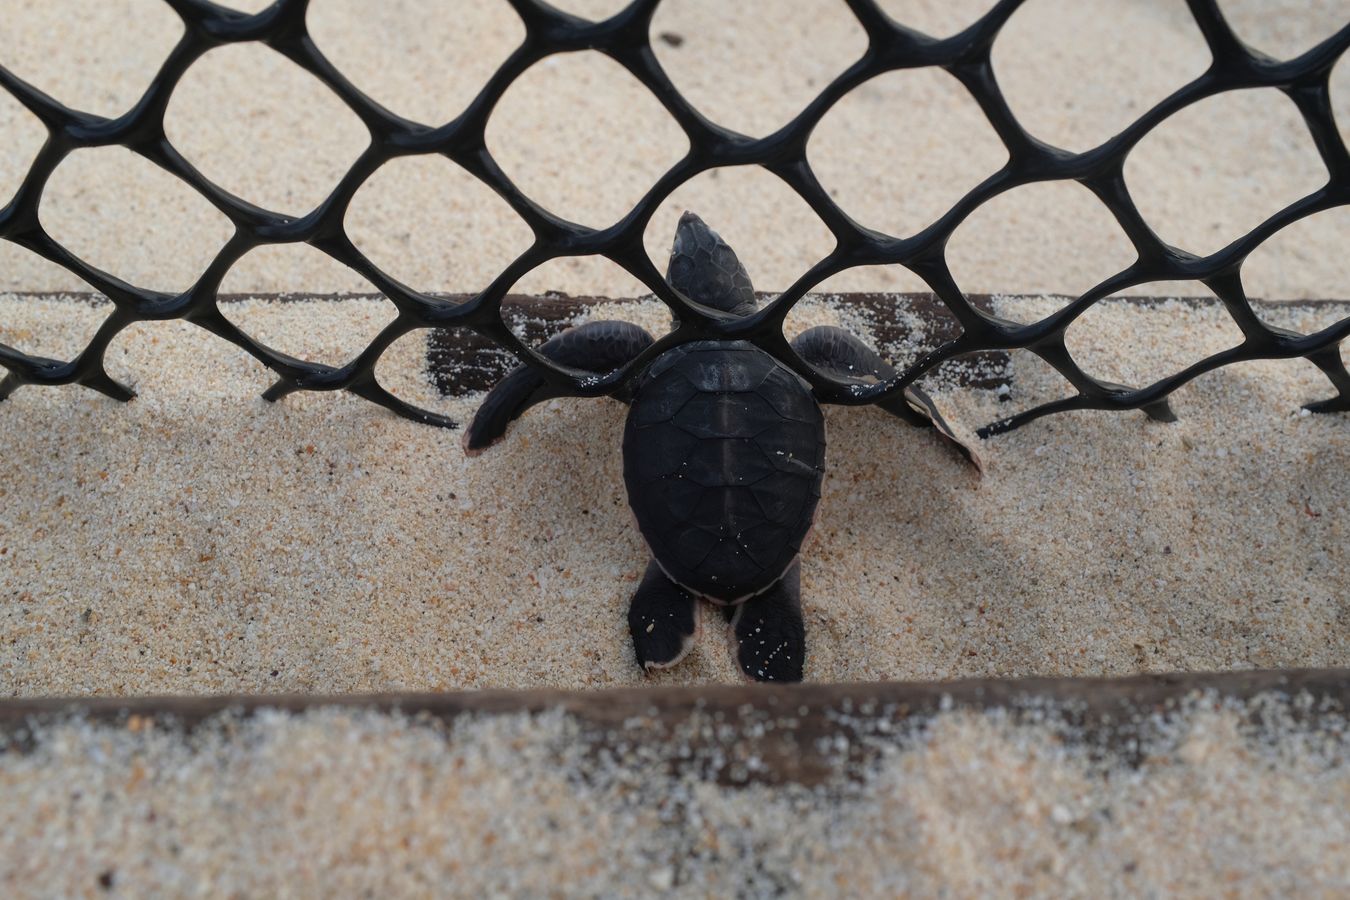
{"points": [[598, 347], [842, 354]]}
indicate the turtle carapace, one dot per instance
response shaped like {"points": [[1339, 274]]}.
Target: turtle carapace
{"points": [[723, 458]]}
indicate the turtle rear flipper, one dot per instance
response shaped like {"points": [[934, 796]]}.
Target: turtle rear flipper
{"points": [[769, 631], [843, 355], [663, 619], [598, 347]]}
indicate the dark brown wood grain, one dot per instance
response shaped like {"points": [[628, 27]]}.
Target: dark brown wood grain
{"points": [[806, 734], [461, 362]]}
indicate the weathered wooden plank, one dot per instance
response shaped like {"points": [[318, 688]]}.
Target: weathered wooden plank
{"points": [[805, 734], [462, 362]]}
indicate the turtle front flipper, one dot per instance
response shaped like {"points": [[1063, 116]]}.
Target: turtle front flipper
{"points": [[770, 633], [598, 347], [663, 619], [842, 354]]}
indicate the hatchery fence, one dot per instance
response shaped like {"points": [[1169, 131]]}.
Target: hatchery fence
{"points": [[626, 38]]}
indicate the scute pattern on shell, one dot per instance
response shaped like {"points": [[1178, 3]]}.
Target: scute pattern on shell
{"points": [[724, 453]]}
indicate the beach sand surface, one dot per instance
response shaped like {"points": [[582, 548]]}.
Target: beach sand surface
{"points": [[199, 540]]}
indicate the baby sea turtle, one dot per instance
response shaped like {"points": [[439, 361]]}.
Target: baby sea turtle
{"points": [[723, 457]]}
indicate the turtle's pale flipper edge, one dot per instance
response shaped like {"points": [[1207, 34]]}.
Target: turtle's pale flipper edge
{"points": [[663, 619], [843, 355]]}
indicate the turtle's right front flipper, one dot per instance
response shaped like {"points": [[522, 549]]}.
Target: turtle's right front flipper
{"points": [[842, 354], [598, 347]]}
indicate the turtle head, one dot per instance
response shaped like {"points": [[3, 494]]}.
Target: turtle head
{"points": [[705, 269]]}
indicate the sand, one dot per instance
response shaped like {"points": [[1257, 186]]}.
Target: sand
{"points": [[895, 153], [201, 540], [1228, 798]]}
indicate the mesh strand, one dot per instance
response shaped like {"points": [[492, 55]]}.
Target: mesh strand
{"points": [[626, 39]]}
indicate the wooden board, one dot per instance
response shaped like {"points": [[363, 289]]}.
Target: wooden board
{"points": [[806, 734], [461, 362]]}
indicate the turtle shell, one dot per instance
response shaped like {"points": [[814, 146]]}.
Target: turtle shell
{"points": [[723, 456]]}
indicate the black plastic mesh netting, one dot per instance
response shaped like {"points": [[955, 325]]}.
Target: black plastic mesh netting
{"points": [[626, 38]]}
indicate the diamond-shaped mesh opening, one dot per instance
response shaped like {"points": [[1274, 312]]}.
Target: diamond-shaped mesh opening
{"points": [[1070, 68], [464, 235], [736, 202], [896, 332], [594, 10], [24, 137], [332, 330], [99, 77], [414, 59], [1280, 34], [900, 330], [1285, 266], [552, 116], [1233, 154], [328, 331], [231, 129], [100, 205], [149, 356], [248, 6], [1192, 329], [23, 271], [1340, 98], [1307, 317], [1002, 247], [534, 314], [899, 130], [730, 51], [939, 18], [815, 310], [50, 327], [871, 279], [564, 156], [590, 276], [920, 327]]}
